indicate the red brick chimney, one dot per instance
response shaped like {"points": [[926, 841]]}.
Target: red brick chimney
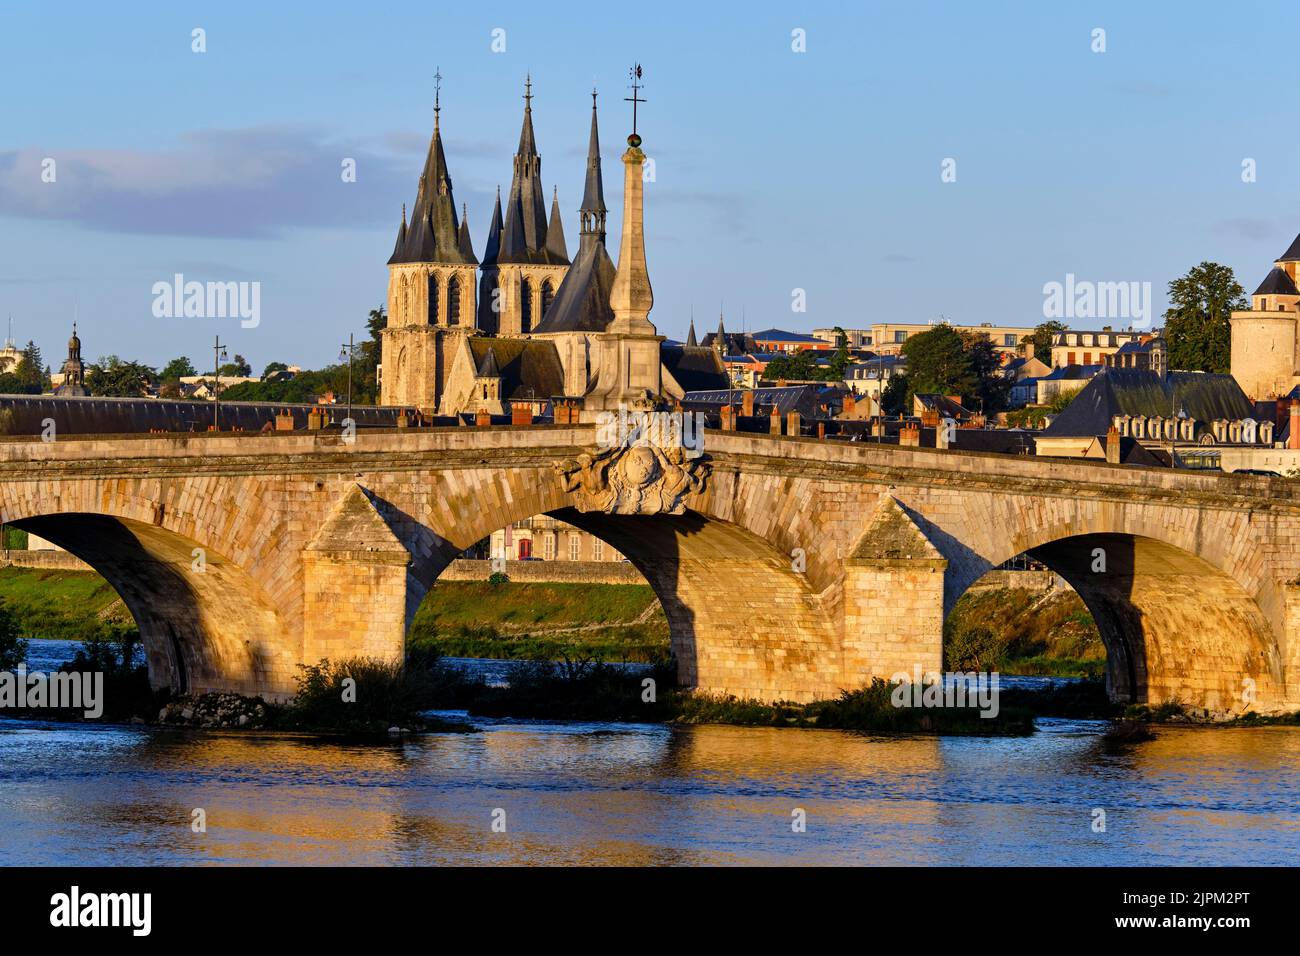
{"points": [[521, 413], [929, 418], [910, 434], [850, 405], [792, 423], [774, 424], [728, 416], [1293, 435], [482, 419], [747, 402], [1029, 350]]}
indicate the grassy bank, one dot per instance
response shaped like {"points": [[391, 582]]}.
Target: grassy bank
{"points": [[1023, 632], [509, 621], [61, 605]]}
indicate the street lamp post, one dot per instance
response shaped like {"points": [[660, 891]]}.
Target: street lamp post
{"points": [[218, 355], [348, 351]]}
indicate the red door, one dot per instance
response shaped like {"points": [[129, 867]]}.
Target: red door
{"points": [[525, 549]]}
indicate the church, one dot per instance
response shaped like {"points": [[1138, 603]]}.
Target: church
{"points": [[527, 324], [1266, 337]]}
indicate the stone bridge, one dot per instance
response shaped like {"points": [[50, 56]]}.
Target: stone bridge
{"points": [[795, 568]]}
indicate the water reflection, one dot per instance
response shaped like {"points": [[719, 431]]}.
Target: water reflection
{"points": [[645, 794]]}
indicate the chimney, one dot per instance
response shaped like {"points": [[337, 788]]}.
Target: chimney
{"points": [[316, 419], [821, 429], [284, 421], [728, 415], [929, 418], [747, 402], [482, 419], [1293, 434], [910, 434], [792, 424], [521, 413], [774, 423], [850, 406], [402, 421], [1029, 350], [1112, 446], [878, 427]]}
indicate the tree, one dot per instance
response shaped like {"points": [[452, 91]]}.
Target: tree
{"points": [[13, 649], [177, 369], [994, 388], [893, 400], [1196, 323], [1041, 338], [273, 368], [939, 362], [113, 377], [841, 360], [31, 370], [239, 368]]}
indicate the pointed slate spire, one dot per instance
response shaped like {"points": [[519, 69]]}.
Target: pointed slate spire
{"points": [[494, 234], [489, 368], [400, 245], [720, 337], [690, 336], [593, 209], [434, 234], [466, 246], [523, 238], [555, 230]]}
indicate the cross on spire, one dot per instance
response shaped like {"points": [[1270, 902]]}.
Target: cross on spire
{"points": [[635, 74], [437, 94], [528, 91]]}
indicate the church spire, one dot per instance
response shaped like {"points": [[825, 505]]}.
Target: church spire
{"points": [[593, 195], [434, 232], [555, 230], [523, 237], [690, 336], [720, 337]]}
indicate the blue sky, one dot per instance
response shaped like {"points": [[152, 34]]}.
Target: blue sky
{"points": [[775, 170]]}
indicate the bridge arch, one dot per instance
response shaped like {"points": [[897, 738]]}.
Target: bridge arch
{"points": [[742, 619], [1182, 611], [206, 623]]}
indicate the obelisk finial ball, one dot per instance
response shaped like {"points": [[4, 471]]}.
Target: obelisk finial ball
{"points": [[634, 140]]}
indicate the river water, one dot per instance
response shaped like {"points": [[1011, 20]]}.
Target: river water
{"points": [[645, 794]]}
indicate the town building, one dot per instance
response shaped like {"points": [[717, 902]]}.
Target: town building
{"points": [[1064, 380], [1076, 347], [72, 381], [543, 538], [887, 338], [1196, 409], [778, 340]]}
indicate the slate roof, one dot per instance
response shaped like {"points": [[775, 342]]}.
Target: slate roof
{"points": [[780, 335], [581, 303], [694, 367], [1277, 282], [1292, 253], [1126, 391], [943, 405], [803, 399], [1072, 373], [434, 233], [524, 233], [529, 368]]}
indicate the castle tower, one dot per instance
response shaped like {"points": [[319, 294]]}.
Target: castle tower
{"points": [[1266, 338], [629, 370], [431, 287], [581, 308], [74, 369], [522, 269]]}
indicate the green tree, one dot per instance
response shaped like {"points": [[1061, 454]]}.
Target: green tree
{"points": [[893, 400], [994, 388], [939, 362], [111, 376], [1196, 322], [1041, 338], [239, 368], [272, 368], [177, 369], [13, 649], [30, 371]]}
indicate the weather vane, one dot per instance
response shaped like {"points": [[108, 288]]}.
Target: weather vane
{"points": [[437, 92], [635, 74]]}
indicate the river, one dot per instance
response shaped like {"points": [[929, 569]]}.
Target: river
{"points": [[585, 793]]}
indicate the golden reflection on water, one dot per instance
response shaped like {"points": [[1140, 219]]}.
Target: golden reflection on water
{"points": [[631, 795]]}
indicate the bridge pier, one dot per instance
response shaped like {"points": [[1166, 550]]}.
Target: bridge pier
{"points": [[354, 586], [893, 600]]}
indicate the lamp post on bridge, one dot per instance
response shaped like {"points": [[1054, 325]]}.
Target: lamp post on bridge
{"points": [[218, 356], [348, 350]]}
